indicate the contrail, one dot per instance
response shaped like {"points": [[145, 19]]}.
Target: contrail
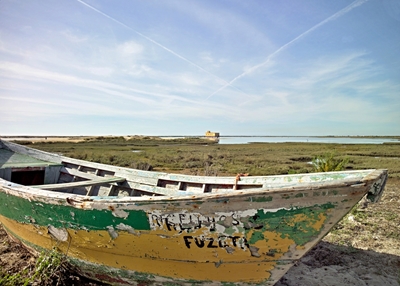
{"points": [[158, 44], [331, 18]]}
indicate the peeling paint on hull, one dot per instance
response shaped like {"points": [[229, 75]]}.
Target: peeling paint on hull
{"points": [[240, 245]]}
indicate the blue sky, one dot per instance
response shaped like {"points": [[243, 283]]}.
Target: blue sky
{"points": [[266, 67]]}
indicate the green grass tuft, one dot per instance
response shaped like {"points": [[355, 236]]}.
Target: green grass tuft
{"points": [[329, 163]]}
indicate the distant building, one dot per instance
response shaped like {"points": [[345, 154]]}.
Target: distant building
{"points": [[210, 134]]}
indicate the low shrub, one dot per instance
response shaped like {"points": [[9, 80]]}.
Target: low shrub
{"points": [[328, 163]]}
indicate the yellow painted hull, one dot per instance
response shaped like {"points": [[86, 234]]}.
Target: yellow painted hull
{"points": [[166, 253], [130, 252]]}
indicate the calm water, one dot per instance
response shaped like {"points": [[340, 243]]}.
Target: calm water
{"points": [[338, 140]]}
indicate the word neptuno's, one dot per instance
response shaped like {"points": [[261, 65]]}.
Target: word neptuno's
{"points": [[187, 222]]}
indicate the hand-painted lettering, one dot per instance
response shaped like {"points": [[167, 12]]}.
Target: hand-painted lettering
{"points": [[221, 242], [187, 222], [210, 243], [187, 241], [199, 242]]}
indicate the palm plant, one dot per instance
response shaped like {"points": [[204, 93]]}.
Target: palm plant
{"points": [[328, 163]]}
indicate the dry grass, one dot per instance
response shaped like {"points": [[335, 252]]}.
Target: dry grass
{"points": [[201, 157]]}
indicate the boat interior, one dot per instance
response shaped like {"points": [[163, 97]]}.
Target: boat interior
{"points": [[29, 167]]}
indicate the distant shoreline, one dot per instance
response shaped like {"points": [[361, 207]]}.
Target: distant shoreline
{"points": [[194, 136], [228, 139]]}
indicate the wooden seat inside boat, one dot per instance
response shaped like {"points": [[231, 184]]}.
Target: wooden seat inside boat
{"points": [[79, 180], [85, 183]]}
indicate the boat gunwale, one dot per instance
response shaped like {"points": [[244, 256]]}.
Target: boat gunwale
{"points": [[37, 193]]}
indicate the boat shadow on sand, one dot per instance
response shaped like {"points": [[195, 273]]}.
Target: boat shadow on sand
{"points": [[330, 264]]}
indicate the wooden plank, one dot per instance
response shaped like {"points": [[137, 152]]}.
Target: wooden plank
{"points": [[118, 170], [91, 190], [80, 174], [98, 181], [89, 176], [159, 190], [10, 159]]}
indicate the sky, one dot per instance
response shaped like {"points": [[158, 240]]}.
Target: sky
{"points": [[254, 67]]}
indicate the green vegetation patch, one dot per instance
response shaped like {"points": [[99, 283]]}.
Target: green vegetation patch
{"points": [[47, 269]]}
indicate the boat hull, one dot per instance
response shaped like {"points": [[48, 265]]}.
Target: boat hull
{"points": [[246, 238]]}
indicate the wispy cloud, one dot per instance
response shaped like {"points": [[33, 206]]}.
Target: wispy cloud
{"points": [[155, 42], [321, 87], [327, 20], [343, 87], [128, 93], [24, 72]]}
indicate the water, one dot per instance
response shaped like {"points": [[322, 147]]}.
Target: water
{"points": [[305, 139]]}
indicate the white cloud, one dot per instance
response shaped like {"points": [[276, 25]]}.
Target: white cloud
{"points": [[14, 71], [130, 48]]}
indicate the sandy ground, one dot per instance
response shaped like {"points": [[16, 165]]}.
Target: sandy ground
{"points": [[332, 265], [73, 139]]}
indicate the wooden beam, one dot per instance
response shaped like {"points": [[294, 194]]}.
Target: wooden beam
{"points": [[94, 182], [79, 174]]}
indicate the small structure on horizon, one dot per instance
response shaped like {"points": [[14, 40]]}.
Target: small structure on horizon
{"points": [[212, 135]]}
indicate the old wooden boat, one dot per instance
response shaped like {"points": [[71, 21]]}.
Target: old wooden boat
{"points": [[126, 226]]}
